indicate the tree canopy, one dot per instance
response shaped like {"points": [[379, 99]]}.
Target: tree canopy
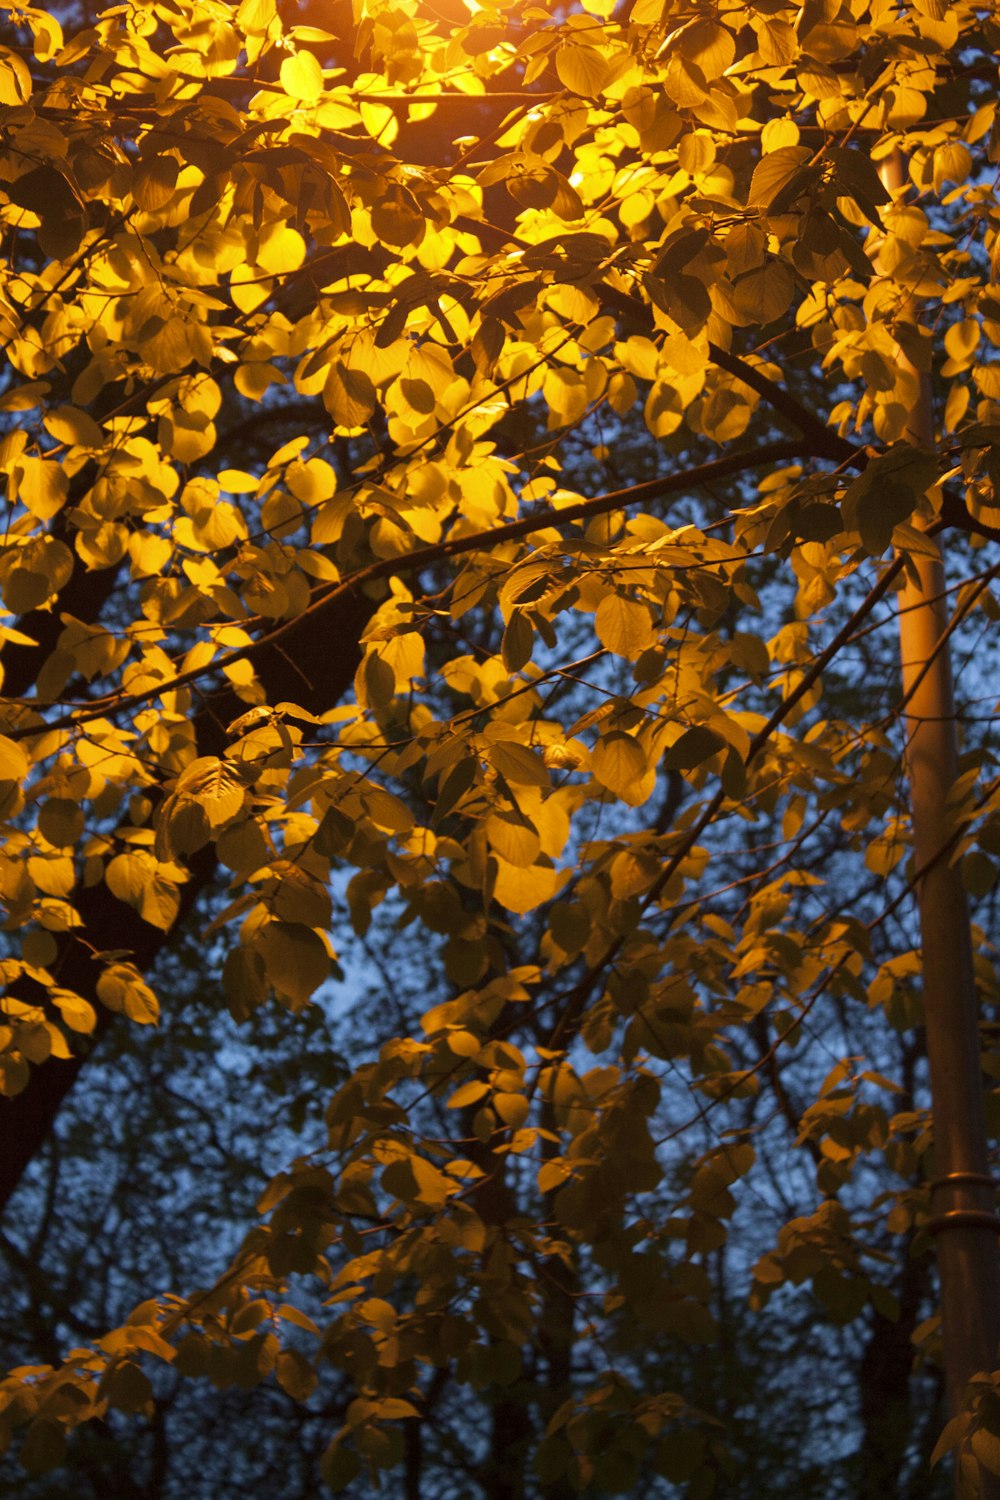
{"points": [[460, 475]]}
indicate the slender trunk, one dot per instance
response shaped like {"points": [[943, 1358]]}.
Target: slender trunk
{"points": [[559, 1284], [159, 1468], [962, 1193], [502, 1472], [511, 1430], [413, 1459], [885, 1396]]}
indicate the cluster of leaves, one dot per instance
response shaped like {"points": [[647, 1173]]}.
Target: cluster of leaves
{"points": [[561, 709]]}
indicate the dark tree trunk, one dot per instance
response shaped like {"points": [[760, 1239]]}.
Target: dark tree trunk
{"points": [[885, 1373], [884, 1385]]}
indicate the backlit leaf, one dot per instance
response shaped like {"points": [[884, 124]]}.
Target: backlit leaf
{"points": [[121, 988], [13, 761], [624, 626], [513, 838], [295, 959], [302, 77], [581, 69], [619, 762]]}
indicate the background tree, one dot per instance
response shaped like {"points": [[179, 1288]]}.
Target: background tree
{"points": [[448, 664]]}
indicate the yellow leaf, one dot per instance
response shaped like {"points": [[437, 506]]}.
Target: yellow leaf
{"points": [[15, 79], [961, 339], [60, 821], [723, 415], [255, 378], [405, 655], [776, 39], [763, 294], [53, 874], [380, 122], [13, 761], [327, 523], [34, 1041], [70, 425], [160, 903], [282, 249], [256, 16], [397, 219], [707, 44], [78, 1014], [902, 106], [154, 182], [248, 289], [552, 1174], [242, 847], [777, 133], [582, 70], [619, 762], [186, 435], [467, 1093], [302, 77], [513, 1109], [386, 810], [215, 787], [521, 891], [127, 876], [42, 486], [149, 553], [464, 1043], [122, 989], [519, 764], [414, 1180], [312, 482], [349, 396], [237, 482], [513, 838], [295, 958], [624, 626], [15, 1075]]}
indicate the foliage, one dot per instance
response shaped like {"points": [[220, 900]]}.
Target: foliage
{"points": [[588, 757], [151, 1174]]}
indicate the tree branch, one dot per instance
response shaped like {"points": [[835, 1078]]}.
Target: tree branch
{"points": [[422, 557]]}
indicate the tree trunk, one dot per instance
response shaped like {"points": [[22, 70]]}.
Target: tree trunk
{"points": [[885, 1399], [962, 1194]]}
